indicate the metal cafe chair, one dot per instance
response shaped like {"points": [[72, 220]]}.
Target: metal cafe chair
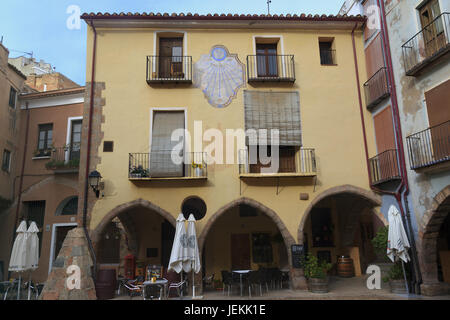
{"points": [[133, 289], [152, 292], [227, 281], [179, 286], [254, 279], [208, 281]]}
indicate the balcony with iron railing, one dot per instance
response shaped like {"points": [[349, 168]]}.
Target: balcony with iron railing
{"points": [[427, 46], [270, 68], [64, 159], [429, 147], [167, 165], [376, 88], [302, 163], [169, 69], [384, 167]]}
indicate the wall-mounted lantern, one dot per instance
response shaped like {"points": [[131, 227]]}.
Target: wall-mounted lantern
{"points": [[94, 182]]}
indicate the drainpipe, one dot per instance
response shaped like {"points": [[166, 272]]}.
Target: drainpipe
{"points": [[397, 194], [88, 153], [22, 170], [417, 278]]}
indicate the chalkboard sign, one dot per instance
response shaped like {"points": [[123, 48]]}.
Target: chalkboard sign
{"points": [[297, 252]]}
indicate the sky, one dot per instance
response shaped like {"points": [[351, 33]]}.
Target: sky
{"points": [[40, 26]]}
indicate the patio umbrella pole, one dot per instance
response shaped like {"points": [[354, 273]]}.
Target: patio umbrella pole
{"points": [[18, 288], [29, 286], [193, 284], [404, 275]]}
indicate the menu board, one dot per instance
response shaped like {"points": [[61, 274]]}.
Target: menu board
{"points": [[297, 252]]}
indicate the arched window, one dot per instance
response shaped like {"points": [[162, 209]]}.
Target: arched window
{"points": [[68, 207]]}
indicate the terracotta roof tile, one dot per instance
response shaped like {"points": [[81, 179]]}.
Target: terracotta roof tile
{"points": [[222, 16]]}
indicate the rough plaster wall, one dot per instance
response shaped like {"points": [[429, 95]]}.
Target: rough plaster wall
{"points": [[403, 23]]}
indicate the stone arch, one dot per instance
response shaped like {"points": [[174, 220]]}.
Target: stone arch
{"points": [[96, 233], [287, 237], [344, 189], [428, 236]]}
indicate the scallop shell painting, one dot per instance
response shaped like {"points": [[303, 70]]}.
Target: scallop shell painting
{"points": [[220, 75]]}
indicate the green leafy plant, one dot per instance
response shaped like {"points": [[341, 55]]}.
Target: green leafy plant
{"points": [[395, 273], [60, 164], [140, 171], [380, 241], [315, 269]]}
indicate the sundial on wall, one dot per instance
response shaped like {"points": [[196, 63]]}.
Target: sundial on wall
{"points": [[219, 75]]}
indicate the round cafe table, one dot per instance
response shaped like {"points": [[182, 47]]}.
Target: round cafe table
{"points": [[241, 273], [159, 283]]}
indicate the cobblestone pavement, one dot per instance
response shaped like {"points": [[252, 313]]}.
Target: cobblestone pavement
{"points": [[339, 289]]}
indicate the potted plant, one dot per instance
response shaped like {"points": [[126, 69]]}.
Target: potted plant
{"points": [[316, 273], [396, 279], [139, 172], [198, 168], [392, 273]]}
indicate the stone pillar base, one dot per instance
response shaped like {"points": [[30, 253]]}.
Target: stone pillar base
{"points": [[74, 251], [298, 280], [434, 289]]}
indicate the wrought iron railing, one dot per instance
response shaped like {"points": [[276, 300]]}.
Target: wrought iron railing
{"points": [[384, 167], [167, 164], [427, 45], [328, 57], [63, 158], [162, 69], [430, 146], [303, 162], [270, 68], [376, 88]]}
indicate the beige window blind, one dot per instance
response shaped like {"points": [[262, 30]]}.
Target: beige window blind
{"points": [[164, 123], [273, 110]]}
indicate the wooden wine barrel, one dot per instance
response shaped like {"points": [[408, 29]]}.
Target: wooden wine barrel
{"points": [[398, 286], [318, 285], [345, 268], [105, 285]]}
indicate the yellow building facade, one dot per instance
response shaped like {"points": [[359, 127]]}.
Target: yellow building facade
{"points": [[251, 219]]}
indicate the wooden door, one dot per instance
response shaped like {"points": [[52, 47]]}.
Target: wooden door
{"points": [[433, 33], [266, 57], [384, 132], [240, 251], [170, 57], [438, 108]]}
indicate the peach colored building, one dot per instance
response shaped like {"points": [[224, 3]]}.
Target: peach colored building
{"points": [[46, 190]]}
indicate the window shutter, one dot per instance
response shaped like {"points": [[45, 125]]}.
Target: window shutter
{"points": [[164, 123], [274, 110]]}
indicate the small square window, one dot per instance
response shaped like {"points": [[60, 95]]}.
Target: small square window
{"points": [[6, 161], [327, 53], [108, 146]]}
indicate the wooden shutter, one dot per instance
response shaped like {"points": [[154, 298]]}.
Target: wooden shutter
{"points": [[438, 107], [384, 130], [164, 123], [274, 110]]}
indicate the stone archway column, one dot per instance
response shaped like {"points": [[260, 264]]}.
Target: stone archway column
{"points": [[427, 244]]}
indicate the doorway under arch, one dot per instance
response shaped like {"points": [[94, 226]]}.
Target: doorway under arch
{"points": [[245, 234], [139, 228], [342, 221], [434, 246]]}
